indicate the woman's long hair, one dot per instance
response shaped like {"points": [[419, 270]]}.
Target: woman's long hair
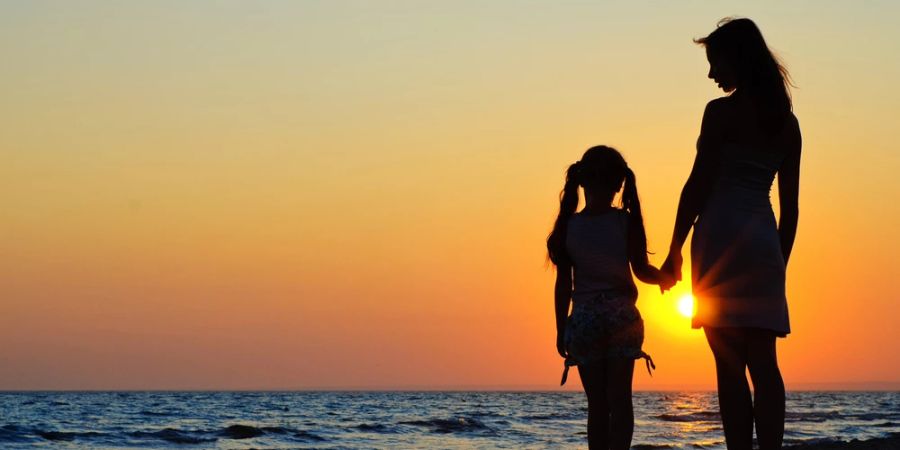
{"points": [[603, 170], [760, 74]]}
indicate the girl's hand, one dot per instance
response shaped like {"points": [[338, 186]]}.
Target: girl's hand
{"points": [[561, 345]]}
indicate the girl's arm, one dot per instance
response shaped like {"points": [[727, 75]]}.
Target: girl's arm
{"points": [[637, 254], [562, 297], [788, 194], [697, 189]]}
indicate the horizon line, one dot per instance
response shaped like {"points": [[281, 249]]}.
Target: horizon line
{"points": [[877, 386]]}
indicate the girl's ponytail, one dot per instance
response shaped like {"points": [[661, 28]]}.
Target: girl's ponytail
{"points": [[568, 203], [631, 203]]}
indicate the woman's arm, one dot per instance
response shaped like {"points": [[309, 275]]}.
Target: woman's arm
{"points": [[788, 195], [699, 184], [562, 298]]}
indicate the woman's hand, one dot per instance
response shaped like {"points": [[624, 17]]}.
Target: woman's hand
{"points": [[561, 344]]}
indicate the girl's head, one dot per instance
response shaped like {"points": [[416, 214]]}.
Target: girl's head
{"points": [[602, 171], [740, 60]]}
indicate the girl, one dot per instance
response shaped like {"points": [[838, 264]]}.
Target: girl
{"points": [[604, 334]]}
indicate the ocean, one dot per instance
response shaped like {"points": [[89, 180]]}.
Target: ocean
{"points": [[332, 420]]}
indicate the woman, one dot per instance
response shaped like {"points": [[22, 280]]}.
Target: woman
{"points": [[738, 253]]}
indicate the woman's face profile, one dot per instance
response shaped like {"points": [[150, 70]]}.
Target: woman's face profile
{"points": [[721, 72]]}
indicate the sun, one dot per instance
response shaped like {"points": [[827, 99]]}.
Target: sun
{"points": [[686, 305]]}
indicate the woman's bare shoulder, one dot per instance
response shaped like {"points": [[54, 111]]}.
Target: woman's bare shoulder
{"points": [[722, 104], [717, 116], [720, 110]]}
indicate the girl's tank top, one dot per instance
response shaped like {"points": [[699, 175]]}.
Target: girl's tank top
{"points": [[598, 248]]}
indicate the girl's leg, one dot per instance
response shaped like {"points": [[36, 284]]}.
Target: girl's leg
{"points": [[619, 374], [768, 389], [729, 349], [593, 378]]}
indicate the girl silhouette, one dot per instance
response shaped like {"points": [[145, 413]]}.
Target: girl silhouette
{"points": [[738, 253], [604, 334]]}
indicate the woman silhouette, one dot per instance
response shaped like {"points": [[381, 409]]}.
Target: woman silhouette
{"points": [[738, 253]]}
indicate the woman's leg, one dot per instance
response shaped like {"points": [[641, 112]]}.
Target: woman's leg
{"points": [[619, 374], [768, 388], [729, 349], [593, 378]]}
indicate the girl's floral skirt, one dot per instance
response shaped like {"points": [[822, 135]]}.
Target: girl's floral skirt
{"points": [[608, 325]]}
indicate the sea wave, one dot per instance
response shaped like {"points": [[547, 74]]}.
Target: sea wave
{"points": [[700, 416], [269, 420], [174, 436], [373, 427], [15, 433], [453, 425], [155, 413]]}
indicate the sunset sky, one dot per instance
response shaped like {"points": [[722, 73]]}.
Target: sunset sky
{"points": [[334, 194]]}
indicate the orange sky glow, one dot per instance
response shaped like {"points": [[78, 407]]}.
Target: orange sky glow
{"points": [[352, 195]]}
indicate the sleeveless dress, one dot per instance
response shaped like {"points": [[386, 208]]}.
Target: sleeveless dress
{"points": [[604, 322], [737, 268]]}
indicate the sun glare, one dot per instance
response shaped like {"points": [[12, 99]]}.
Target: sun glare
{"points": [[686, 305]]}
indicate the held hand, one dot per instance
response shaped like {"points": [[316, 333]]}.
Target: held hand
{"points": [[671, 269], [561, 345], [666, 281], [672, 265]]}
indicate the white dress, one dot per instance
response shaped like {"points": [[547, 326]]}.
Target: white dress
{"points": [[738, 270]]}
